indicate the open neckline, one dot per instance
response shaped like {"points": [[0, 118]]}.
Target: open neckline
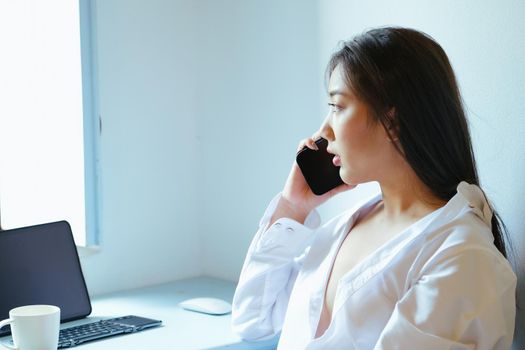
{"points": [[352, 220], [357, 269]]}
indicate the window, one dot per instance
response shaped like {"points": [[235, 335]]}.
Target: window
{"points": [[46, 134]]}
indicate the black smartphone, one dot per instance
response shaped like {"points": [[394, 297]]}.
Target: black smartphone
{"points": [[317, 168]]}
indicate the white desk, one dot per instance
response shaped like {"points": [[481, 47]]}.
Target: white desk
{"points": [[180, 329]]}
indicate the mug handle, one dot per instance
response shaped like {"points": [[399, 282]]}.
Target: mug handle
{"points": [[5, 323]]}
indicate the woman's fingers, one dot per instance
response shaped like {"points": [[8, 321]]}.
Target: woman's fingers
{"points": [[309, 142], [316, 136]]}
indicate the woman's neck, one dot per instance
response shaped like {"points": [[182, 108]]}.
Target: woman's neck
{"points": [[405, 195]]}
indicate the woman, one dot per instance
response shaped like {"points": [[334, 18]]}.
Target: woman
{"points": [[419, 266]]}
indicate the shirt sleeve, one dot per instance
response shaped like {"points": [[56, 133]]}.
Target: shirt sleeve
{"points": [[269, 273], [460, 301]]}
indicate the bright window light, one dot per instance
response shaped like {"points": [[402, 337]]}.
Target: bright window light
{"points": [[41, 116]]}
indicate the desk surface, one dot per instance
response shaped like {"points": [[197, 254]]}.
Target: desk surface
{"points": [[181, 329]]}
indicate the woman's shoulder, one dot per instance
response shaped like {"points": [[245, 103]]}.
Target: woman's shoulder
{"points": [[461, 228], [462, 237]]}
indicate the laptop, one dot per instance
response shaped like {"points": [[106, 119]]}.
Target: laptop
{"points": [[40, 265]]}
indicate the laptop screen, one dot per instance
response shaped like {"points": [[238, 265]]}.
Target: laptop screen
{"points": [[39, 265]]}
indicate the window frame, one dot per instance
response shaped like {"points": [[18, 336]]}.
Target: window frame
{"points": [[92, 122]]}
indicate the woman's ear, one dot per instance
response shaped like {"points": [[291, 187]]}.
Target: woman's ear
{"points": [[391, 124], [391, 118]]}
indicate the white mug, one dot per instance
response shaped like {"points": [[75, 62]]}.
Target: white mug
{"points": [[34, 327]]}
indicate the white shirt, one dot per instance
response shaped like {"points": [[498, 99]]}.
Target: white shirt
{"points": [[440, 284]]}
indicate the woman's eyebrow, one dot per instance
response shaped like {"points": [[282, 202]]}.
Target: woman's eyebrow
{"points": [[332, 93]]}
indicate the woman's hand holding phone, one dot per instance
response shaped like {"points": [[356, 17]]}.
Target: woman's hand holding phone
{"points": [[298, 199]]}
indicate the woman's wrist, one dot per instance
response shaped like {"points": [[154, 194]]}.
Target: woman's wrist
{"points": [[286, 209]]}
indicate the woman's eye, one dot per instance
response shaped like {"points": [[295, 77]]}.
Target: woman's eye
{"points": [[334, 108]]}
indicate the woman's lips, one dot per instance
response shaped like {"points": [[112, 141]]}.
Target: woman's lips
{"points": [[336, 160]]}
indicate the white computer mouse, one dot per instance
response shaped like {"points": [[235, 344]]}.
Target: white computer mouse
{"points": [[211, 306]]}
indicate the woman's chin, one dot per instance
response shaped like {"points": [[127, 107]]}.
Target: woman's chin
{"points": [[348, 178]]}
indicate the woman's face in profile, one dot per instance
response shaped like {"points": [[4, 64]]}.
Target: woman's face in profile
{"points": [[360, 144]]}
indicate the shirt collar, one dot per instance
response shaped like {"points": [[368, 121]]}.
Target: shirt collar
{"points": [[476, 199]]}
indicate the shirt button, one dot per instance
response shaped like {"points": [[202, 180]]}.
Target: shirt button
{"points": [[289, 229]]}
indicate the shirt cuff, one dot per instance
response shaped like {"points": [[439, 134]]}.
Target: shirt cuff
{"points": [[285, 233]]}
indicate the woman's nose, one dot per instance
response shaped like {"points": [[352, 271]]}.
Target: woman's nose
{"points": [[325, 131]]}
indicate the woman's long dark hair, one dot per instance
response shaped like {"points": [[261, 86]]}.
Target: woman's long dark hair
{"points": [[405, 77]]}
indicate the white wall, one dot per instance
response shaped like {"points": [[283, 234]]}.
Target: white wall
{"points": [[144, 53], [259, 84], [484, 41]]}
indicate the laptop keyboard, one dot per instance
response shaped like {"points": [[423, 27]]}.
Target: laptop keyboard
{"points": [[91, 331]]}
